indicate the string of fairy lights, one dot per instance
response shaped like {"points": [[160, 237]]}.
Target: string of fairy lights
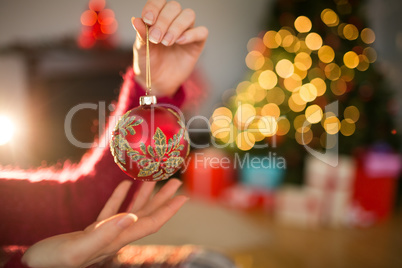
{"points": [[291, 68]]}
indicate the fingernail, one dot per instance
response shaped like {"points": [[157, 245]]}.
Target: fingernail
{"points": [[167, 39], [127, 221], [181, 39], [148, 18], [132, 21], [155, 35]]}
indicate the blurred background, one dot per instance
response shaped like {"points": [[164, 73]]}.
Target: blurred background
{"points": [[283, 61]]}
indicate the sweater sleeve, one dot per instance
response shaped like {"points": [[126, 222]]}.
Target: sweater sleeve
{"points": [[37, 204]]}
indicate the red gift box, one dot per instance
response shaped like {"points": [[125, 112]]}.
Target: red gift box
{"points": [[208, 173], [375, 187], [248, 198]]}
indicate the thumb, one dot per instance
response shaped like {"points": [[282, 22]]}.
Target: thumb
{"points": [[139, 26]]}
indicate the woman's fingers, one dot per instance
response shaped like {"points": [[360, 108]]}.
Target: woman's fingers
{"points": [[115, 200], [153, 222], [198, 34], [167, 15], [183, 22], [142, 196], [161, 197], [151, 10]]}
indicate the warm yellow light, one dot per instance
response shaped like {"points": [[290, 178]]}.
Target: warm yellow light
{"points": [[350, 32], [351, 59], [308, 92], [268, 126], [284, 68], [313, 114], [258, 92], [301, 124], [370, 53], [221, 131], [292, 83], [313, 41], [302, 24], [245, 114], [332, 71], [326, 54], [301, 73], [338, 87], [352, 113], [275, 95], [331, 125], [295, 107], [288, 40], [367, 35], [303, 61], [255, 60], [272, 39], [363, 63], [7, 129], [245, 140], [319, 85], [268, 79], [348, 127], [329, 17], [223, 112], [347, 74], [242, 86], [256, 44], [283, 126], [316, 72], [283, 33], [304, 138], [254, 129], [271, 109]]}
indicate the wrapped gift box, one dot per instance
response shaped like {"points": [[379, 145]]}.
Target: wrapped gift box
{"points": [[265, 171], [375, 187], [208, 173], [335, 185], [245, 197]]}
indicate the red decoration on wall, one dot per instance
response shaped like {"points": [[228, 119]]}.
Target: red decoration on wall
{"points": [[98, 26]]}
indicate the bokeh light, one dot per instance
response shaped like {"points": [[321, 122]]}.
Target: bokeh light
{"points": [[275, 95], [271, 109], [329, 17], [350, 32], [351, 113], [255, 60], [348, 127], [272, 39], [350, 59], [313, 41], [367, 35], [308, 92], [268, 79], [313, 114], [326, 54], [302, 24], [303, 61], [284, 68], [331, 125]]}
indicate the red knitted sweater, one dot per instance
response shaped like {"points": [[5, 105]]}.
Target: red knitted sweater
{"points": [[37, 204]]}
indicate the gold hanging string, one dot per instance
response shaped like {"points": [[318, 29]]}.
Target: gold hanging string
{"points": [[148, 65]]}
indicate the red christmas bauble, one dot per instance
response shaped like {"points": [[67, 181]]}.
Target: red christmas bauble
{"points": [[150, 143]]}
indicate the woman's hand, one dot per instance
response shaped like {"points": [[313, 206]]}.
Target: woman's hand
{"points": [[175, 45], [111, 231]]}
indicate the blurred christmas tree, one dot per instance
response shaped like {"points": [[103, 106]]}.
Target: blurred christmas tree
{"points": [[313, 54]]}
